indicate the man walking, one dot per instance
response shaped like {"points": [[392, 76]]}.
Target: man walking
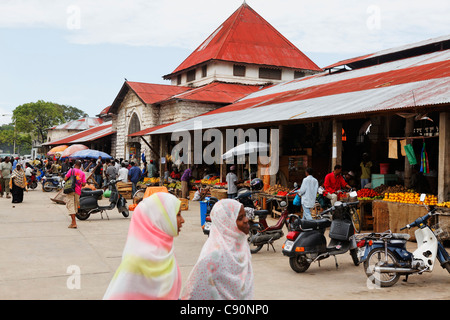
{"points": [[232, 179], [185, 183], [134, 175], [308, 192], [73, 199], [5, 175]]}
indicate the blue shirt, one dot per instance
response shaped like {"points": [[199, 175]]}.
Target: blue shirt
{"points": [[135, 174], [308, 191]]}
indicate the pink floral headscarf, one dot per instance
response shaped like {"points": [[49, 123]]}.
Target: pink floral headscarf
{"points": [[149, 269], [223, 270]]}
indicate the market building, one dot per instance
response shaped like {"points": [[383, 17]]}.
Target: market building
{"points": [[242, 55], [376, 104]]}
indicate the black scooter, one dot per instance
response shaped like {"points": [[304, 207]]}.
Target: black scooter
{"points": [[306, 243], [89, 202]]}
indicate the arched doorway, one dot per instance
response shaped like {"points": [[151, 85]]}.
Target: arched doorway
{"points": [[134, 144]]}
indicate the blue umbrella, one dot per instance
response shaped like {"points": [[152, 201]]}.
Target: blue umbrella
{"points": [[90, 154]]}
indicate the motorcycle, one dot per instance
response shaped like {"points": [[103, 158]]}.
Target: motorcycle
{"points": [[260, 232], [52, 182], [244, 196], [32, 181], [386, 258], [306, 242], [89, 202], [210, 202]]}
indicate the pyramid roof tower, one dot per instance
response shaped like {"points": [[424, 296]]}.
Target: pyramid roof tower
{"points": [[247, 38]]}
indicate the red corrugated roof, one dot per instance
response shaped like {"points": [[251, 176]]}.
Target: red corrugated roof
{"points": [[149, 130], [152, 93], [246, 37], [218, 92], [85, 136], [435, 70]]}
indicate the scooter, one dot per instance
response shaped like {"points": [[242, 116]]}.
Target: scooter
{"points": [[386, 258], [210, 202], [89, 202], [306, 242], [32, 181], [52, 182], [260, 232]]}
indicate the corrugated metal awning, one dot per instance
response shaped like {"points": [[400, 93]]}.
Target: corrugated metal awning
{"points": [[407, 83], [86, 135]]}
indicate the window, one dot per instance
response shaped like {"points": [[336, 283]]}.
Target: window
{"points": [[191, 75], [267, 73], [204, 71], [179, 79], [238, 71], [299, 74]]}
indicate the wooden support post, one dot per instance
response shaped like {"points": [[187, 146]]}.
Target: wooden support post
{"points": [[336, 151], [444, 157]]}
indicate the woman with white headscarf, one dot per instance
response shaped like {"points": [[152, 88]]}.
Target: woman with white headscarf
{"points": [[223, 270], [149, 270]]}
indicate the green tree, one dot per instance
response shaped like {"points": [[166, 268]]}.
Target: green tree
{"points": [[8, 136], [37, 117]]}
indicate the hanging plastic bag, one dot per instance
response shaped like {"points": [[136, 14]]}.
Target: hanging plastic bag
{"points": [[410, 154], [297, 201]]}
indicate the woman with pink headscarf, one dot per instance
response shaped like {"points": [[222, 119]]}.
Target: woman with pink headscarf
{"points": [[149, 269], [223, 270]]}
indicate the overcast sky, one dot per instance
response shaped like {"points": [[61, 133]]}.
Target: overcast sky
{"points": [[78, 52]]}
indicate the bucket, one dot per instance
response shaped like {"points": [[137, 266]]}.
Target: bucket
{"points": [[384, 168], [203, 210]]}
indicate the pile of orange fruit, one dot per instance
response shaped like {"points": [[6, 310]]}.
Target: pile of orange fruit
{"points": [[411, 198]]}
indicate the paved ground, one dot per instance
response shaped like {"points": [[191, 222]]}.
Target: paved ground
{"points": [[40, 258]]}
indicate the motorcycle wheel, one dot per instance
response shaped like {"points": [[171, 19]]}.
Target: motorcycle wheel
{"points": [[377, 257], [299, 263], [33, 185], [82, 215], [125, 212], [354, 255], [47, 186], [253, 231]]}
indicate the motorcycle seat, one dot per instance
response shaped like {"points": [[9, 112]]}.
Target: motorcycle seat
{"points": [[261, 212], [315, 224], [400, 236], [92, 193]]}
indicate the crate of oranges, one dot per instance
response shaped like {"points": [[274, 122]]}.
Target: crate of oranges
{"points": [[410, 198]]}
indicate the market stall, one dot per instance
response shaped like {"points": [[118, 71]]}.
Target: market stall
{"points": [[397, 209]]}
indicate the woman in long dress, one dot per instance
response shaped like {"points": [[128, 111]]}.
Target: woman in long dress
{"points": [[223, 270], [149, 270], [18, 184]]}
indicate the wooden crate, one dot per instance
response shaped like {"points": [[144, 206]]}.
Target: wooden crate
{"points": [[184, 204], [219, 193], [126, 194], [380, 214]]}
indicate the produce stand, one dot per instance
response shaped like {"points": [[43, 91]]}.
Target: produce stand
{"points": [[394, 215]]}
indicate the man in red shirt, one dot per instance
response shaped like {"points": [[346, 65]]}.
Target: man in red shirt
{"points": [[334, 182]]}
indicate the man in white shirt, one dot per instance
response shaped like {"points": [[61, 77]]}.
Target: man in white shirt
{"points": [[123, 173], [308, 192], [232, 183]]}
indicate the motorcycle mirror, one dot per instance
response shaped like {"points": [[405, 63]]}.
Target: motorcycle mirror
{"points": [[295, 185]]}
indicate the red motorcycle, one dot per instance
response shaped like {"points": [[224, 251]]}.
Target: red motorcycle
{"points": [[32, 181], [260, 232]]}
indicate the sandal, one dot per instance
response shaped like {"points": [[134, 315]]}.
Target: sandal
{"points": [[71, 226]]}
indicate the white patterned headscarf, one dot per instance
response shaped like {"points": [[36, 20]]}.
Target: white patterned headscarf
{"points": [[223, 270]]}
